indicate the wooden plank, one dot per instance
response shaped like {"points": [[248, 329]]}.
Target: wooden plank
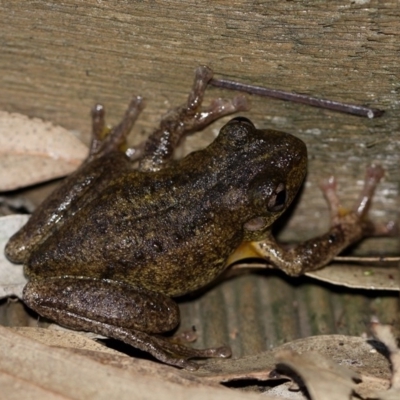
{"points": [[58, 59]]}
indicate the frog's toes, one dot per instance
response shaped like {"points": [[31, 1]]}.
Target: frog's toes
{"points": [[217, 109], [328, 188], [186, 364], [219, 352], [174, 353], [390, 228], [222, 107], [241, 103], [358, 215], [98, 122], [188, 336], [203, 75], [106, 140], [373, 175]]}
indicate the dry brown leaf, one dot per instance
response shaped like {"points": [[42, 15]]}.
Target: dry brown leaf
{"points": [[323, 378], [14, 388], [12, 279], [33, 151], [62, 372], [249, 368], [64, 338], [371, 277], [383, 277], [256, 367], [80, 343], [285, 391], [363, 357], [354, 353], [384, 333]]}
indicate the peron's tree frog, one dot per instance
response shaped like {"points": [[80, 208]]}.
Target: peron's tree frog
{"points": [[111, 247]]}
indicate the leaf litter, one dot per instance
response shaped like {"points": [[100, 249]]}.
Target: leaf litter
{"points": [[329, 367], [33, 151]]}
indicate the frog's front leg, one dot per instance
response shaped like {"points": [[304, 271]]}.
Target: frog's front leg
{"points": [[116, 310], [348, 227], [185, 120]]}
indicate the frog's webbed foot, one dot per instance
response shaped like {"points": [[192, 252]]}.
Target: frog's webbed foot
{"points": [[348, 227], [187, 119], [104, 140], [173, 353], [162, 348]]}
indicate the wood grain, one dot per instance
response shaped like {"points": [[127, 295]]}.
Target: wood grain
{"points": [[58, 59]]}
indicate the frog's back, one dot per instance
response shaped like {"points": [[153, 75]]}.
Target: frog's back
{"points": [[157, 232], [172, 230]]}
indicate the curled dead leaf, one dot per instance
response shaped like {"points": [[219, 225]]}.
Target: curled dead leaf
{"points": [[59, 373], [361, 357], [369, 276], [385, 276], [12, 278], [323, 378], [384, 333], [33, 151]]}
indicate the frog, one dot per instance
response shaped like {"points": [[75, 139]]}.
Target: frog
{"points": [[133, 228]]}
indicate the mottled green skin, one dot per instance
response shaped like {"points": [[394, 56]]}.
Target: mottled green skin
{"points": [[171, 231]]}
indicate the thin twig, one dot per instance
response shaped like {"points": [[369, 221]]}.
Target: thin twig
{"points": [[366, 259], [299, 98]]}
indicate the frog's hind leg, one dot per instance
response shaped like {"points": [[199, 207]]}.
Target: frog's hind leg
{"points": [[116, 310], [105, 141], [187, 119]]}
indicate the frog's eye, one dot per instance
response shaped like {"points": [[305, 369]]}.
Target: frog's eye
{"points": [[237, 131], [268, 195], [242, 120], [277, 199]]}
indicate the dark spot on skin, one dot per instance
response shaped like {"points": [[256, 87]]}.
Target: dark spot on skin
{"points": [[139, 256], [177, 237]]}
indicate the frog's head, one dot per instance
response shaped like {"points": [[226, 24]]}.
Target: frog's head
{"points": [[271, 165]]}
